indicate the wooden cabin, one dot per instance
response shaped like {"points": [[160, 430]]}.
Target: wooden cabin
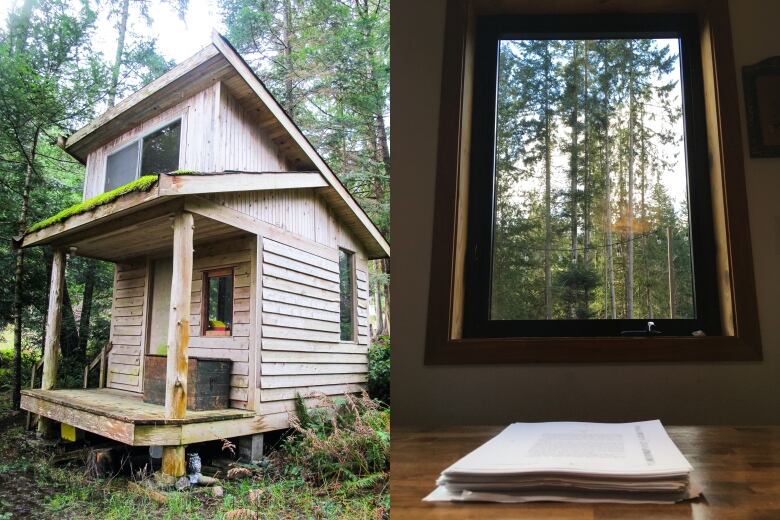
{"points": [[241, 265]]}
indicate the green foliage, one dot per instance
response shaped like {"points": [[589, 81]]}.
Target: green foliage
{"points": [[379, 370], [145, 183], [588, 137], [29, 359], [345, 440]]}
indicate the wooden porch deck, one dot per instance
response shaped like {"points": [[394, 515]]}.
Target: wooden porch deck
{"points": [[124, 417]]}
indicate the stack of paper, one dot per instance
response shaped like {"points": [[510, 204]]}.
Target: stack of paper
{"points": [[571, 462]]}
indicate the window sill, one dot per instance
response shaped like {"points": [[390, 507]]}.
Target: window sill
{"points": [[217, 333], [591, 350]]}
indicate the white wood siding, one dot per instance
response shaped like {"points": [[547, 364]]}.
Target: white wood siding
{"points": [[301, 349], [299, 211], [128, 326], [243, 144], [197, 142]]}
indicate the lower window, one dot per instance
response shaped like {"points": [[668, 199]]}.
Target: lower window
{"points": [[217, 295]]}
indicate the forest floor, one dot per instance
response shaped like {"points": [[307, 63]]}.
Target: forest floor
{"points": [[32, 487]]}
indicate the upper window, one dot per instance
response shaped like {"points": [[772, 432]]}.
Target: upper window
{"points": [[347, 294], [589, 209], [158, 153], [217, 296]]}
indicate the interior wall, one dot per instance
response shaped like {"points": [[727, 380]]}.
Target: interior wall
{"points": [[677, 393]]}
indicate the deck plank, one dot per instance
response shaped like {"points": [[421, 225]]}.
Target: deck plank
{"points": [[126, 407]]}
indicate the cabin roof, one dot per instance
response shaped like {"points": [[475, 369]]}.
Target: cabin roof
{"points": [[219, 61]]}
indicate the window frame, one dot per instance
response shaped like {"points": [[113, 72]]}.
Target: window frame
{"points": [[138, 143], [740, 338], [490, 30], [204, 299], [353, 307]]}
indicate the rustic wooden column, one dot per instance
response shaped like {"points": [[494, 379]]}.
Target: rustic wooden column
{"points": [[51, 349], [178, 336]]}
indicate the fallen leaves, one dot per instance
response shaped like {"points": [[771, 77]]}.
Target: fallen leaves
{"points": [[238, 473]]}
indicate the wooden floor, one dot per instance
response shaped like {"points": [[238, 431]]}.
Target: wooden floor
{"points": [[128, 407], [124, 417], [737, 467]]}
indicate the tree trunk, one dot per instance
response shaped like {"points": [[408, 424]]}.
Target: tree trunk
{"points": [[609, 310], [643, 216], [630, 205], [69, 335], [586, 187], [548, 304], [288, 66], [120, 49], [20, 27], [86, 310], [573, 174], [19, 274]]}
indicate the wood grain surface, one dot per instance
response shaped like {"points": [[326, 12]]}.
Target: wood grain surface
{"points": [[737, 467]]}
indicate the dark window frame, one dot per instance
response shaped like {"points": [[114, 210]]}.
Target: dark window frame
{"points": [[489, 31], [741, 335], [139, 144], [204, 298], [353, 296]]}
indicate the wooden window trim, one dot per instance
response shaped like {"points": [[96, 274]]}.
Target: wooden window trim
{"points": [[353, 264], [740, 339], [138, 142], [204, 302]]}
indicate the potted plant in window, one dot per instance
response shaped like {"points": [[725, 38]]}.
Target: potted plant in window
{"points": [[217, 325]]}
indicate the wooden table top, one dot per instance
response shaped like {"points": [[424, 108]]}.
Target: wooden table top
{"points": [[737, 467]]}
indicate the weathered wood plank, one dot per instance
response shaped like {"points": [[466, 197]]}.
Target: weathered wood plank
{"points": [[302, 312], [219, 342], [281, 320], [300, 278], [297, 288], [222, 353], [280, 394], [128, 330], [126, 340], [302, 334], [274, 369], [280, 356], [291, 381], [107, 427], [299, 300], [124, 359], [301, 267], [282, 344], [300, 255], [128, 302]]}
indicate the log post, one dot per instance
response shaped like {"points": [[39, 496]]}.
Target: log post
{"points": [[178, 336], [51, 349]]}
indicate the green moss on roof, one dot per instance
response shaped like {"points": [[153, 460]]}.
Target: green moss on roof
{"points": [[183, 172], [145, 183]]}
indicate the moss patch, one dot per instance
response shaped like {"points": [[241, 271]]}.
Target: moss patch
{"points": [[145, 183], [183, 172]]}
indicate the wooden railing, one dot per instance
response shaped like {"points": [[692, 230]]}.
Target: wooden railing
{"points": [[32, 419], [100, 360]]}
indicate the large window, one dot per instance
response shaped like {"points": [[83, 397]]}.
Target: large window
{"points": [[589, 197], [347, 294], [157, 152], [217, 296]]}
